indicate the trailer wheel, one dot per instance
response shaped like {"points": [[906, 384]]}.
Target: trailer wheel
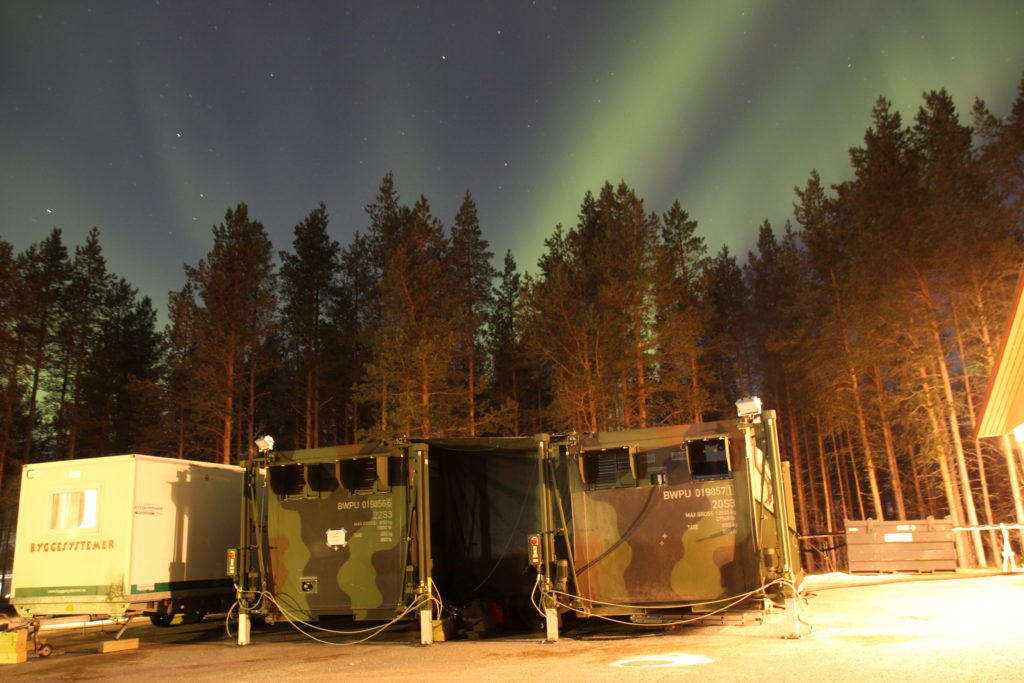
{"points": [[44, 650], [161, 620]]}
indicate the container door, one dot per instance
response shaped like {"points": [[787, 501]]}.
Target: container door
{"points": [[659, 525], [338, 535]]}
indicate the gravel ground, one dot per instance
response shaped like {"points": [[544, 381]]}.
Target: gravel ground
{"points": [[894, 628]]}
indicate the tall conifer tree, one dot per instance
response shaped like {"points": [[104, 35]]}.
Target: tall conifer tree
{"points": [[235, 285], [471, 275], [309, 284]]}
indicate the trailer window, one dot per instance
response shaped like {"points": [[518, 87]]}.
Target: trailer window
{"points": [[708, 459], [74, 510]]}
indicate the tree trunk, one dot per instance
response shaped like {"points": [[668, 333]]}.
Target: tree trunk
{"points": [[810, 462], [961, 461], [10, 397], [949, 407], [1014, 482], [76, 399], [236, 446], [472, 388], [993, 542], [890, 450], [181, 429], [840, 477], [862, 427], [252, 413], [309, 407], [798, 470], [695, 385], [826, 485], [60, 421], [963, 550], [923, 510], [425, 408], [37, 368], [590, 417], [317, 407], [949, 488], [105, 427], [641, 382], [854, 474], [227, 418], [515, 399]]}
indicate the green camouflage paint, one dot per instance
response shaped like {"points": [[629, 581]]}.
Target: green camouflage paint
{"points": [[640, 518], [338, 529], [657, 517]]}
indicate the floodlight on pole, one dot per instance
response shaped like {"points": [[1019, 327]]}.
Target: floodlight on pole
{"points": [[749, 407]]}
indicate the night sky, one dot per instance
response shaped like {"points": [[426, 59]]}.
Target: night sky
{"points": [[150, 119]]}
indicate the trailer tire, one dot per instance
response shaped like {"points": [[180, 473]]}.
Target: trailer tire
{"points": [[161, 620], [44, 650]]}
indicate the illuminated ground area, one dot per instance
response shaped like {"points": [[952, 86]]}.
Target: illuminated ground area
{"points": [[950, 630]]}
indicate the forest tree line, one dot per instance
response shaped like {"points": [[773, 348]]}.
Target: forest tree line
{"points": [[871, 323]]}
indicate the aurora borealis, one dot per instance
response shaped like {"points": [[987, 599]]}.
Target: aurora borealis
{"points": [[149, 120]]}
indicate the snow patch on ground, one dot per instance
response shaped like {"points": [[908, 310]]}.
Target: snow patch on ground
{"points": [[813, 581]]}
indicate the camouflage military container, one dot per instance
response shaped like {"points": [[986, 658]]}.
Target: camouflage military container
{"points": [[364, 531], [338, 530], [681, 515], [681, 518]]}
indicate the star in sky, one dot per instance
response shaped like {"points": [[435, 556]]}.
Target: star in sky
{"points": [[725, 107]]}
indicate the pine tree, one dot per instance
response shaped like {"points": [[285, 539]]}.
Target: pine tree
{"points": [[563, 331], [184, 420], [774, 277], [504, 343], [235, 286], [127, 350], [354, 320], [81, 324], [726, 344], [470, 280], [12, 346], [47, 272], [407, 379], [624, 265], [681, 261], [309, 284]]}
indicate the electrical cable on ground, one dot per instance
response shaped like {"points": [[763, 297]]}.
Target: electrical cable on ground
{"points": [[372, 631], [733, 601]]}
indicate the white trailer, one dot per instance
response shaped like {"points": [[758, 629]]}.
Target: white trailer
{"points": [[125, 535]]}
